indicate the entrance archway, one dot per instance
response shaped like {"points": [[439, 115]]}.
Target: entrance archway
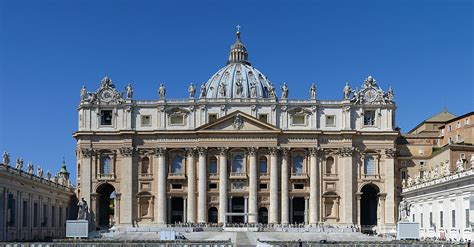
{"points": [[238, 207], [263, 215], [177, 209], [298, 210], [106, 204], [212, 215], [368, 205]]}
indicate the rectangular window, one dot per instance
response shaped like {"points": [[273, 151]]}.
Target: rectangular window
{"points": [[25, 214], [449, 128], [298, 119], [35, 214], [212, 117], [106, 117], [458, 125], [263, 118], [176, 186], [177, 119], [212, 186], [299, 186], [45, 216], [53, 216], [369, 118], [330, 121], [413, 216], [61, 216], [441, 220], [263, 186], [421, 220], [468, 223], [11, 210], [146, 120], [404, 175], [431, 220], [453, 218]]}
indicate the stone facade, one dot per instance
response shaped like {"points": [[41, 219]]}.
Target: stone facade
{"points": [[33, 207], [238, 154]]}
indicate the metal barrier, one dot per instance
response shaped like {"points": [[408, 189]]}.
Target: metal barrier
{"points": [[358, 244], [86, 243]]}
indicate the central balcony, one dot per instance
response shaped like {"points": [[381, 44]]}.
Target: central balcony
{"points": [[105, 177], [176, 175], [238, 175], [299, 175]]}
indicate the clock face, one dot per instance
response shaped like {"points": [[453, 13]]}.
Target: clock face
{"points": [[106, 95], [370, 95]]}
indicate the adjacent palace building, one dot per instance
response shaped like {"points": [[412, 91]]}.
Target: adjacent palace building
{"points": [[235, 152]]}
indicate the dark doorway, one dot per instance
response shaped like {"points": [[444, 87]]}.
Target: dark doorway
{"points": [[212, 215], [238, 206], [106, 203], [298, 210], [263, 215], [177, 210], [368, 205]]}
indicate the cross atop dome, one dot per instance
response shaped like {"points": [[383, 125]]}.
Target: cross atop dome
{"points": [[238, 52], [238, 31]]}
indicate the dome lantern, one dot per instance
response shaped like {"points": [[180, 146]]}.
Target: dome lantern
{"points": [[238, 52]]}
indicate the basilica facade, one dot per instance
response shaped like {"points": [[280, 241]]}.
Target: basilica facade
{"points": [[234, 151]]}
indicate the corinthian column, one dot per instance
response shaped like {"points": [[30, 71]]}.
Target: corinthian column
{"points": [[284, 186], [273, 215], [313, 187], [348, 185], [252, 218], [191, 186], [222, 185], [161, 198], [127, 185], [202, 186]]}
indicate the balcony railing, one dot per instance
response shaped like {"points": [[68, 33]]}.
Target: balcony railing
{"points": [[299, 175], [106, 176], [176, 175], [213, 174], [145, 175], [238, 175]]}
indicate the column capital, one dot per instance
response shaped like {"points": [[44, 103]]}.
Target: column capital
{"points": [[117, 196], [314, 151], [190, 151], [382, 196], [358, 195], [390, 152], [87, 152], [252, 151], [223, 151], [285, 152], [346, 151], [202, 151], [273, 150], [127, 151], [159, 152]]}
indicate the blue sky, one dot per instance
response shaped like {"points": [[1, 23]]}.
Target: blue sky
{"points": [[49, 49]]}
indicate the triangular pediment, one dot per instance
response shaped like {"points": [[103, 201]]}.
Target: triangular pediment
{"points": [[238, 122]]}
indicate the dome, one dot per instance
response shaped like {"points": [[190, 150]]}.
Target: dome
{"points": [[238, 79]]}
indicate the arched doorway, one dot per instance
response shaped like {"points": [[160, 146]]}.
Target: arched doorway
{"points": [[106, 204], [263, 215], [212, 215], [368, 206]]}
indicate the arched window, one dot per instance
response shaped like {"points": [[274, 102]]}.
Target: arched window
{"points": [[298, 165], [105, 165], [263, 165], [177, 165], [213, 165], [330, 165], [145, 165], [238, 164], [369, 165]]}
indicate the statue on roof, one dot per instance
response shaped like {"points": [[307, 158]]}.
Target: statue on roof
{"points": [[106, 82], [162, 91], [48, 175], [459, 165], [347, 91], [83, 94], [369, 82], [389, 94], [312, 91], [39, 172], [203, 91], [6, 158], [271, 91], [239, 86], [129, 91], [284, 91], [19, 163], [191, 90], [30, 168]]}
